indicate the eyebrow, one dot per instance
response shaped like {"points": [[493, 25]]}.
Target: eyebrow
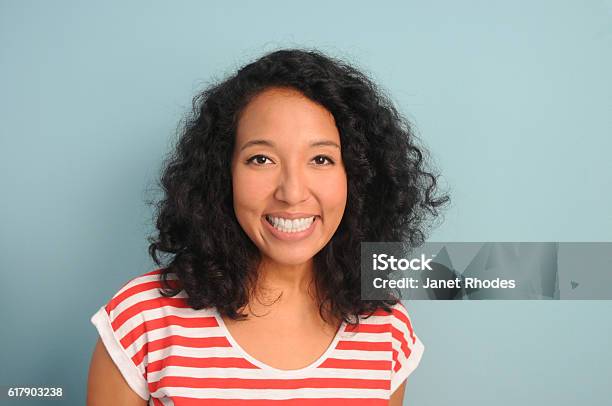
{"points": [[322, 143]]}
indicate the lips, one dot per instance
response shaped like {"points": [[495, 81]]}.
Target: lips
{"points": [[286, 228]]}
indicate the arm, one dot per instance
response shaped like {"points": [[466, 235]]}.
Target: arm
{"points": [[397, 399], [106, 385]]}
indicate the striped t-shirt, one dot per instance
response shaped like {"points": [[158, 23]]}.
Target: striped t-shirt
{"points": [[171, 354]]}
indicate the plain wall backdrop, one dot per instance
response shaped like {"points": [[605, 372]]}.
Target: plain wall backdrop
{"points": [[513, 100]]}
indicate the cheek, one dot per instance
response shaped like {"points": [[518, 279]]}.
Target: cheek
{"points": [[334, 192], [248, 192]]}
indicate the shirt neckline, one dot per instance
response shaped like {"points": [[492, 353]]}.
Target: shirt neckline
{"points": [[263, 365]]}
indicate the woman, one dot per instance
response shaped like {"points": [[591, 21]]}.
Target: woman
{"points": [[283, 170]]}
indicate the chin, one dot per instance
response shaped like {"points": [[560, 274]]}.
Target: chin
{"points": [[292, 261], [287, 259]]}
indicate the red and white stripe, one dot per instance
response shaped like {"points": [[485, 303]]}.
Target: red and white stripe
{"points": [[172, 354]]}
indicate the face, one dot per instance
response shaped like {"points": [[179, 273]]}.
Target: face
{"points": [[288, 178]]}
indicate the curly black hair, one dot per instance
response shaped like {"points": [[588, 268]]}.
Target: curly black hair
{"points": [[390, 193]]}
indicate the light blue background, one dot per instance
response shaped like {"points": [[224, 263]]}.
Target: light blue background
{"points": [[512, 98]]}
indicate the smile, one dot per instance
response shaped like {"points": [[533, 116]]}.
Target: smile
{"points": [[290, 230], [290, 225]]}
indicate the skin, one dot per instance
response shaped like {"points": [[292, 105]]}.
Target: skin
{"points": [[287, 159], [106, 385]]}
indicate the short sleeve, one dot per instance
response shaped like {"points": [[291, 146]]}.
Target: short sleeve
{"points": [[406, 347], [121, 327]]}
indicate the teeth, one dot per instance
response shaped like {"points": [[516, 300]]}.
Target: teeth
{"points": [[290, 226]]}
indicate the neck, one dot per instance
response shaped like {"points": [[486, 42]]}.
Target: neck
{"points": [[285, 290], [291, 280], [284, 287]]}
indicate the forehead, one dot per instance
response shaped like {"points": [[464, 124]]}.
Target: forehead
{"points": [[282, 113]]}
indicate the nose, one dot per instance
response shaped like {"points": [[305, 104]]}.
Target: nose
{"points": [[292, 187]]}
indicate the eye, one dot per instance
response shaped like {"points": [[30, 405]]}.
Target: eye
{"points": [[321, 159], [258, 160]]}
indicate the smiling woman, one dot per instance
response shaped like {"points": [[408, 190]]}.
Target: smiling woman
{"points": [[281, 173], [289, 182]]}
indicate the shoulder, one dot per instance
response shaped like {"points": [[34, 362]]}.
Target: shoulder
{"points": [[140, 300], [397, 322], [394, 322], [396, 315], [138, 320], [396, 326], [401, 323], [406, 349], [141, 290]]}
